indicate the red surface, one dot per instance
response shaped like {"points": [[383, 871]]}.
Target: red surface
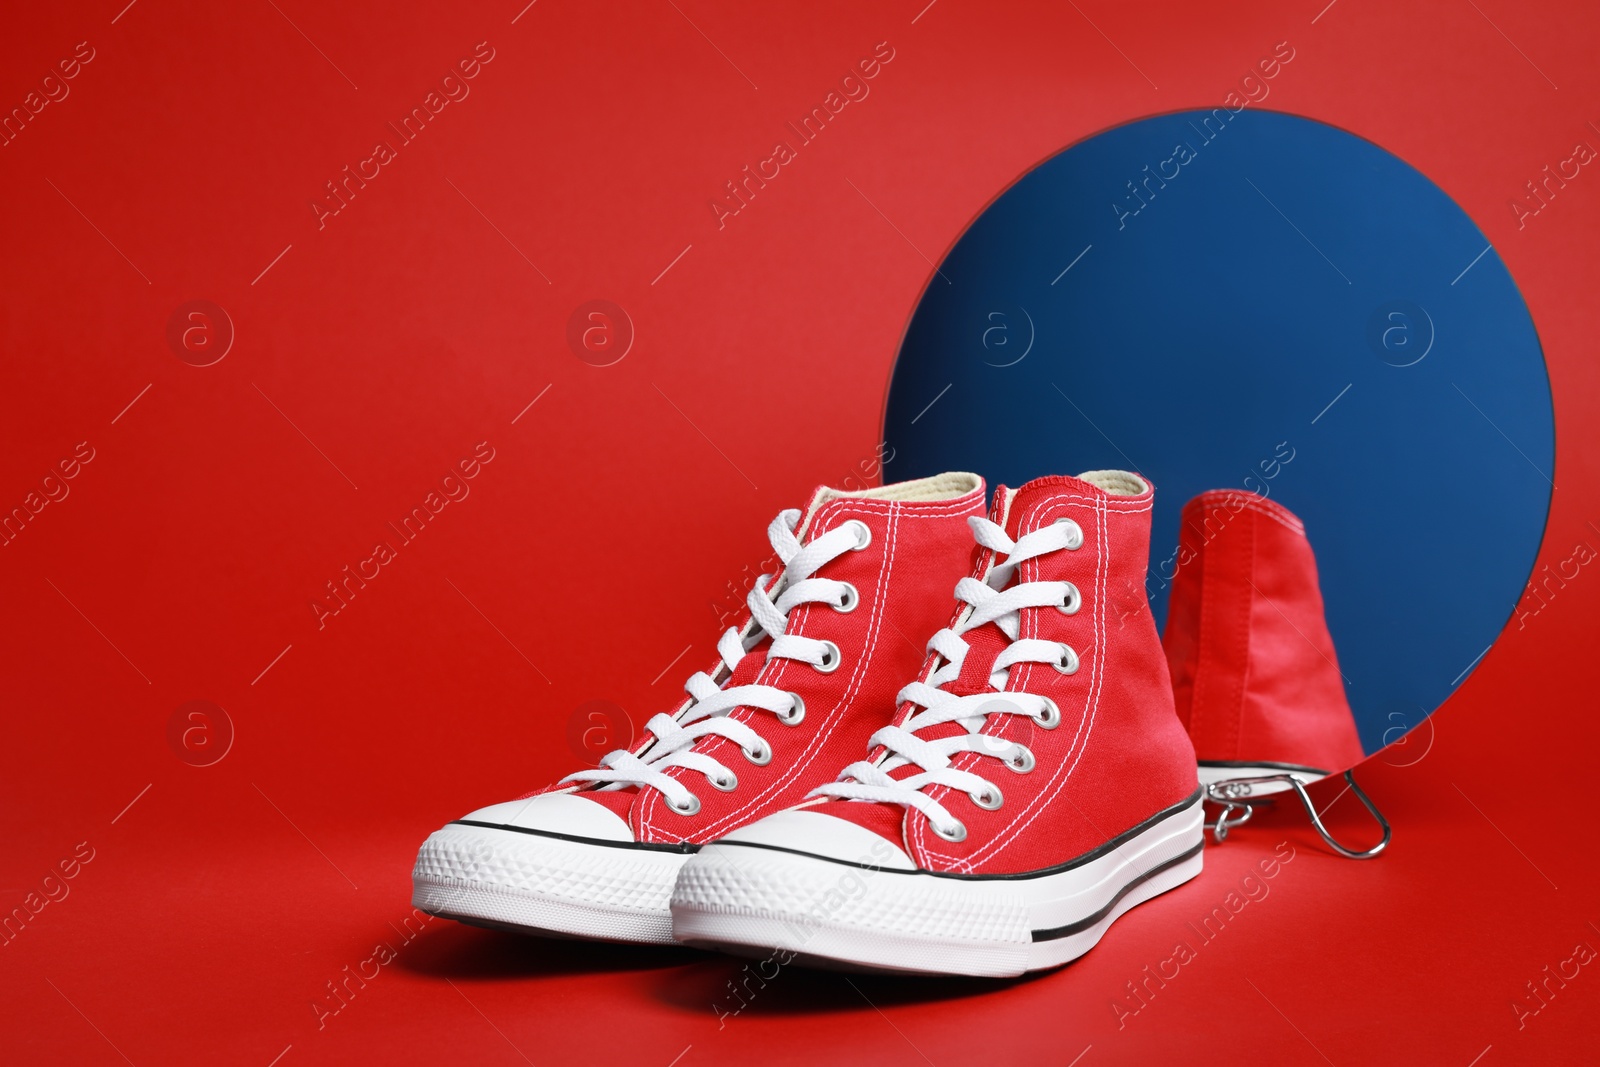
{"points": [[184, 556]]}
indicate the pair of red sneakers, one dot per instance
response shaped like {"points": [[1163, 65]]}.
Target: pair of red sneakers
{"points": [[1032, 783]]}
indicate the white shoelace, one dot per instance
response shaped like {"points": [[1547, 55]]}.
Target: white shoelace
{"points": [[706, 714], [988, 601]]}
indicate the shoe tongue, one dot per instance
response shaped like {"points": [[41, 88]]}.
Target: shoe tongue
{"points": [[1020, 511], [987, 641], [1016, 511]]}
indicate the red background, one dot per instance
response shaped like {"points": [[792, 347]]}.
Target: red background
{"points": [[620, 505]]}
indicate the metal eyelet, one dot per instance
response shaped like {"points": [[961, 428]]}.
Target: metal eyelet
{"points": [[760, 757], [1068, 663], [1021, 761], [1049, 716], [957, 833], [792, 717], [990, 799], [728, 784], [1071, 601], [830, 658], [863, 534], [850, 600], [690, 808], [1074, 535]]}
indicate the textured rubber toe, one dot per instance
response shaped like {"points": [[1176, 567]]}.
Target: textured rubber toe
{"points": [[540, 883]]}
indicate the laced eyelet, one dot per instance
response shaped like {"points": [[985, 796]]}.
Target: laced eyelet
{"points": [[1049, 716], [690, 808], [957, 833], [1068, 663], [1021, 761], [849, 601], [1074, 534], [792, 717], [760, 757], [726, 784], [1071, 602], [830, 658], [863, 533], [989, 799]]}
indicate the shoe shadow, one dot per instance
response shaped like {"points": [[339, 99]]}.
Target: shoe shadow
{"points": [[725, 986], [455, 950]]}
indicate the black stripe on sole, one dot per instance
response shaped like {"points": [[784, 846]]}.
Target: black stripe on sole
{"points": [[682, 847], [1081, 925]]}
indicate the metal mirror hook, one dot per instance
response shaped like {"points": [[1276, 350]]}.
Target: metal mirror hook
{"points": [[1228, 794]]}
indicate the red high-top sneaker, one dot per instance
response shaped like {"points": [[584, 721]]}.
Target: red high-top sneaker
{"points": [[1034, 786], [800, 686], [1254, 672]]}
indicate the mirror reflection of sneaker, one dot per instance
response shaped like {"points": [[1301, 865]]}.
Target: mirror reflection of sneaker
{"points": [[795, 691], [1035, 784], [1255, 676]]}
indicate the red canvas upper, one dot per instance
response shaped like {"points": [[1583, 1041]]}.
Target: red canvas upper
{"points": [[919, 548], [1254, 673], [1119, 756]]}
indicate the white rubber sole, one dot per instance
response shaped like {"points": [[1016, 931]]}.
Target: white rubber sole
{"points": [[1211, 774], [541, 884], [747, 898]]}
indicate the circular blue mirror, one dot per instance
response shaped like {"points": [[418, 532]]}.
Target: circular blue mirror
{"points": [[1253, 300]]}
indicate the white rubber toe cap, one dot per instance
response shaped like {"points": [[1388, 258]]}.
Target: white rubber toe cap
{"points": [[557, 813], [811, 832]]}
